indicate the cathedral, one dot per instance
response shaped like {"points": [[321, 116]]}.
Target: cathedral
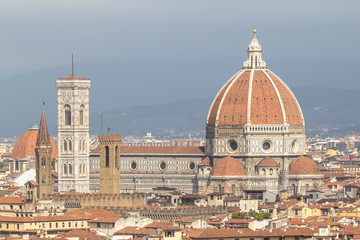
{"points": [[255, 144]]}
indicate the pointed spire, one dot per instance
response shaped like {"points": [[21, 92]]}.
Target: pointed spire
{"points": [[43, 137], [254, 60]]}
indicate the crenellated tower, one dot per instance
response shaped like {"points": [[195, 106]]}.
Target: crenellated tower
{"points": [[73, 133], [110, 163], [43, 152]]}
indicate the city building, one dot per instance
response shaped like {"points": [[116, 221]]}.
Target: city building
{"points": [[254, 146], [23, 154], [73, 133]]}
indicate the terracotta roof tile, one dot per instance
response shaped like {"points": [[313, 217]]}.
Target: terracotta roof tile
{"points": [[205, 162], [135, 231], [228, 166], [25, 145], [159, 149], [267, 161], [303, 166], [155, 225], [73, 77], [12, 200], [268, 91]]}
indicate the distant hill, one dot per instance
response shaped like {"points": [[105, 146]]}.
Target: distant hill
{"points": [[335, 110], [137, 95]]}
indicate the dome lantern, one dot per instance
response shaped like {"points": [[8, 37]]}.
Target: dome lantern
{"points": [[254, 60]]}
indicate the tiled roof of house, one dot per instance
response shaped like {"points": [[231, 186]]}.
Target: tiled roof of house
{"points": [[130, 230], [232, 233], [12, 200]]}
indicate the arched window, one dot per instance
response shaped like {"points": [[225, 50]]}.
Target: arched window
{"points": [[16, 165], [82, 115], [70, 145], [79, 145], [271, 171], [84, 169], [43, 162], [80, 168], [233, 188], [107, 160], [116, 156], [220, 189], [65, 146], [65, 169], [53, 165], [67, 115], [70, 169], [263, 171], [43, 179]]}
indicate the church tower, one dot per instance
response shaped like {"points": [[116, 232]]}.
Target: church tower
{"points": [[109, 163], [43, 152], [73, 133]]}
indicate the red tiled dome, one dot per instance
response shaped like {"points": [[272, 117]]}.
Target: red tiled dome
{"points": [[228, 166], [26, 144], [267, 161], [303, 166], [262, 97]]}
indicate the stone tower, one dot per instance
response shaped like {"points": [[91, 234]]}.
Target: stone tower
{"points": [[73, 133], [43, 152], [110, 163]]}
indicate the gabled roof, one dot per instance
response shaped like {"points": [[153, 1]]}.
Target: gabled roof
{"points": [[205, 162]]}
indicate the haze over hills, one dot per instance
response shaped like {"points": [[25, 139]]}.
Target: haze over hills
{"points": [[331, 109], [148, 93]]}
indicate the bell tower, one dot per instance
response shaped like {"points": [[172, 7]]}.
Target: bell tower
{"points": [[73, 133], [43, 152], [110, 163]]}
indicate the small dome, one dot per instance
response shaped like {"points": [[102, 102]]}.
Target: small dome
{"points": [[25, 145], [267, 161], [303, 166], [228, 166]]}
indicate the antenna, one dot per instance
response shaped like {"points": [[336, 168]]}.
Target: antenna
{"points": [[72, 64], [101, 122]]}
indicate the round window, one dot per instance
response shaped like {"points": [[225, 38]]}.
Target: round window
{"points": [[267, 146], [133, 166], [295, 146], [232, 146], [191, 166], [162, 166]]}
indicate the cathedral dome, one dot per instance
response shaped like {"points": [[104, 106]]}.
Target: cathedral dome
{"points": [[26, 144], [255, 95], [228, 166], [303, 166]]}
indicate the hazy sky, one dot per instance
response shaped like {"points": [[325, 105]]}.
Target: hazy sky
{"points": [[39, 34], [146, 52]]}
